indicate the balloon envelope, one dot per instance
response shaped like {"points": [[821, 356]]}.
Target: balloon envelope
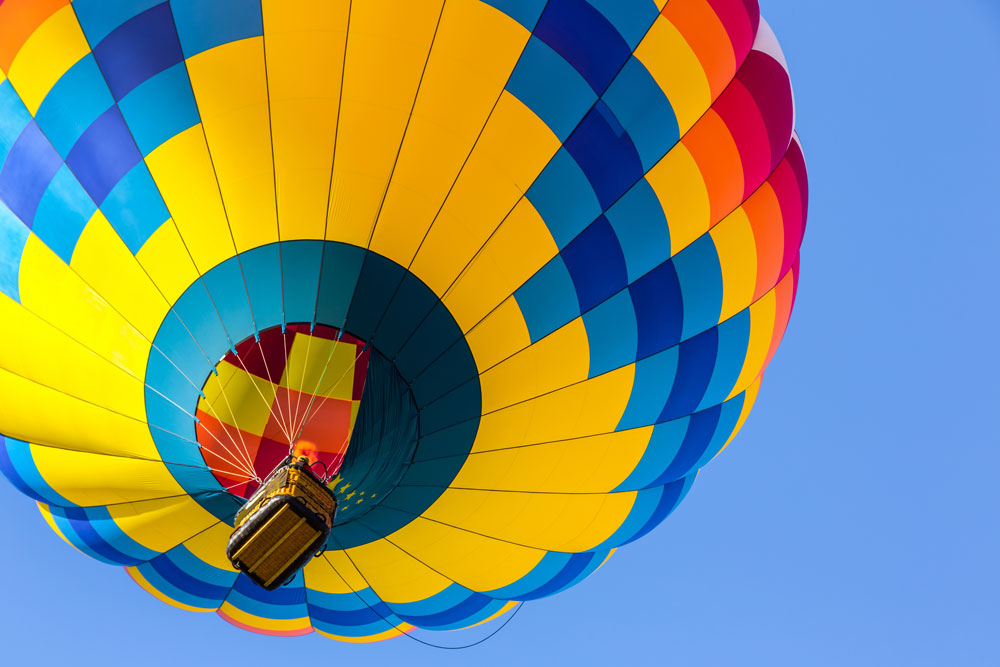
{"points": [[512, 270]]}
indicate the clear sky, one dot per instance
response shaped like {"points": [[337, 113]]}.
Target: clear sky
{"points": [[854, 519]]}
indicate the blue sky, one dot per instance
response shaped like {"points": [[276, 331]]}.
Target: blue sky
{"points": [[853, 521]]}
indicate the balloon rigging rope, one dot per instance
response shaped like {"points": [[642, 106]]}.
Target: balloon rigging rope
{"points": [[308, 417], [319, 382]]}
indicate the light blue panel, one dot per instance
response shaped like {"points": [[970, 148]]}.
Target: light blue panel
{"points": [[13, 237], [204, 25], [99, 17], [174, 342], [612, 333], [662, 449], [734, 337], [646, 502], [174, 397], [198, 313], [641, 228], [18, 454], [730, 415], [109, 531], [700, 277], [134, 207], [159, 108], [14, 117], [62, 214], [66, 528], [447, 599], [644, 111], [564, 198], [262, 270], [654, 378], [225, 285], [157, 581], [551, 564], [631, 18], [300, 262], [551, 87], [548, 299], [525, 12], [75, 101], [195, 567]]}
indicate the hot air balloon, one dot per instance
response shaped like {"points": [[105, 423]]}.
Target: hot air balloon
{"points": [[507, 273]]}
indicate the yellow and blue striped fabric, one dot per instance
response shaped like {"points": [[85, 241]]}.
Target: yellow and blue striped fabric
{"points": [[568, 229]]}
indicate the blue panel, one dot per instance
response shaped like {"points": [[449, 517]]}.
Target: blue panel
{"points": [[62, 214], [596, 264], [469, 607], [74, 103], [198, 312], [673, 494], [728, 419], [734, 337], [658, 309], [605, 153], [612, 333], [103, 155], [654, 377], [641, 228], [300, 279], [551, 564], [69, 530], [694, 371], [225, 285], [287, 602], [661, 451], [14, 117], [205, 25], [548, 299], [160, 108], [644, 111], [701, 428], [262, 272], [134, 207], [19, 467], [550, 87], [176, 343], [585, 38], [99, 17], [700, 276], [105, 527], [193, 576], [525, 12], [340, 267], [83, 526], [450, 597], [631, 18], [576, 565], [27, 172], [13, 237], [434, 335], [564, 198], [645, 505], [139, 49], [170, 588]]}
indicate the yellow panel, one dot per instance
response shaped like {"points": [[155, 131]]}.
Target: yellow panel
{"points": [[586, 408], [33, 349], [500, 335], [520, 247], [515, 147], [734, 241], [677, 70], [210, 546], [679, 186], [167, 262], [234, 390], [475, 50], [762, 314], [104, 261], [29, 408], [477, 562], [556, 361], [386, 51], [152, 590], [333, 573], [160, 525], [182, 170], [394, 575], [47, 54], [55, 293], [293, 625], [552, 521], [91, 480], [304, 106], [314, 361], [595, 464], [231, 90]]}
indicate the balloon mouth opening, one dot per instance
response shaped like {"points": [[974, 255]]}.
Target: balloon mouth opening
{"points": [[292, 389]]}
